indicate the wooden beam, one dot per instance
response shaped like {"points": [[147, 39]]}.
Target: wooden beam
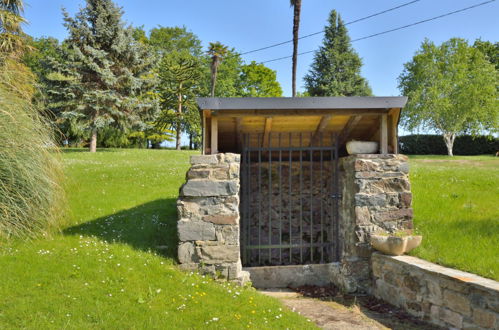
{"points": [[393, 129], [383, 138], [205, 134], [320, 128], [349, 126], [214, 135], [266, 131], [312, 112]]}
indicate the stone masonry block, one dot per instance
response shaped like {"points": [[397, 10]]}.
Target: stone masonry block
{"points": [[209, 188], [187, 253], [228, 235], [400, 214], [457, 302], [452, 318], [198, 174], [195, 231], [484, 318], [218, 253], [204, 159], [370, 200], [222, 219]]}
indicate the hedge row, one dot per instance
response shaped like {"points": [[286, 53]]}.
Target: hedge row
{"points": [[434, 145]]}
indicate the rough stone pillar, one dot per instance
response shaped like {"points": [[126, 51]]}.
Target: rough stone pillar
{"points": [[208, 210], [376, 198]]}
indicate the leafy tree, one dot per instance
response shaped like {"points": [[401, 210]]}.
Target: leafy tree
{"points": [[179, 75], [259, 81], [451, 89], [490, 50], [106, 71], [336, 67], [296, 4], [175, 39], [217, 51]]}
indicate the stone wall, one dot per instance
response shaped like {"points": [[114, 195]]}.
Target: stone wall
{"points": [[208, 210], [376, 198], [296, 197], [443, 296]]}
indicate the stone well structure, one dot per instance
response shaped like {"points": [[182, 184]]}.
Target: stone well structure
{"points": [[375, 197]]}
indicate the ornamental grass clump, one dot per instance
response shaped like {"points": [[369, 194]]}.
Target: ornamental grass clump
{"points": [[30, 172]]}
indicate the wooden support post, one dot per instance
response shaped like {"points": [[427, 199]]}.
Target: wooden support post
{"points": [[266, 131], [383, 140], [205, 134], [214, 135]]}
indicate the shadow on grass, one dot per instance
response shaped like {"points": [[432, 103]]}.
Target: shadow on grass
{"points": [[148, 227]]}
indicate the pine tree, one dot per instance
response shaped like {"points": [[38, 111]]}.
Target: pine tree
{"points": [[336, 67], [105, 73]]}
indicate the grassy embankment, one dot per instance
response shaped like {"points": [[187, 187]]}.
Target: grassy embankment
{"points": [[456, 208], [113, 266]]}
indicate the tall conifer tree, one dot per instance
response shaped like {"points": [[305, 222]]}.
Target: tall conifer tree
{"points": [[336, 67], [106, 72]]}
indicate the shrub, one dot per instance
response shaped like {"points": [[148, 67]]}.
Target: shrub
{"points": [[434, 145], [30, 172]]}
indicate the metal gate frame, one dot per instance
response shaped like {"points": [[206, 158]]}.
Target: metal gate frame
{"points": [[252, 155]]}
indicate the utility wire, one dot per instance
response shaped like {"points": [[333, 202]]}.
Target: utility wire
{"points": [[322, 31], [396, 29]]}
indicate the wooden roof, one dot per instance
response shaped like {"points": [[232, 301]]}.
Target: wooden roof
{"points": [[359, 118]]}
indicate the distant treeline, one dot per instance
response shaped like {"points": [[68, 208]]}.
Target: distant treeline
{"points": [[419, 144]]}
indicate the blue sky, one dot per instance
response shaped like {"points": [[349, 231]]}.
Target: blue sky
{"points": [[248, 25]]}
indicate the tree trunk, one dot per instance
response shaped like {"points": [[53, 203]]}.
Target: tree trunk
{"points": [[93, 141], [214, 71], [179, 114], [190, 141], [449, 142], [296, 27]]}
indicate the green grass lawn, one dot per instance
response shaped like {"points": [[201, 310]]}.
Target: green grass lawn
{"points": [[113, 266], [456, 208]]}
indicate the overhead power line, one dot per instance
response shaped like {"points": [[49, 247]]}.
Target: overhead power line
{"points": [[322, 31], [396, 29]]}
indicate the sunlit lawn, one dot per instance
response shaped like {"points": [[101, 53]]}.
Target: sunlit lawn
{"points": [[456, 208], [113, 266]]}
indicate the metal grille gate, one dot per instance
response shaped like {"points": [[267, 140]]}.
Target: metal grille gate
{"points": [[289, 199]]}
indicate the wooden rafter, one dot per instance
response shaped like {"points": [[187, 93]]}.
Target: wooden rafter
{"points": [[320, 128], [349, 126], [266, 131]]}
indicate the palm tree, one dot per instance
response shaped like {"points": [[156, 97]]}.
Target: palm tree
{"points": [[296, 4], [11, 35], [217, 51]]}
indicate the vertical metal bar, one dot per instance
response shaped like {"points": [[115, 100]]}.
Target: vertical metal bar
{"points": [[248, 194], [243, 201], [270, 197], [290, 202], [311, 201], [322, 201], [280, 200], [337, 200], [259, 201], [301, 201], [332, 219]]}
